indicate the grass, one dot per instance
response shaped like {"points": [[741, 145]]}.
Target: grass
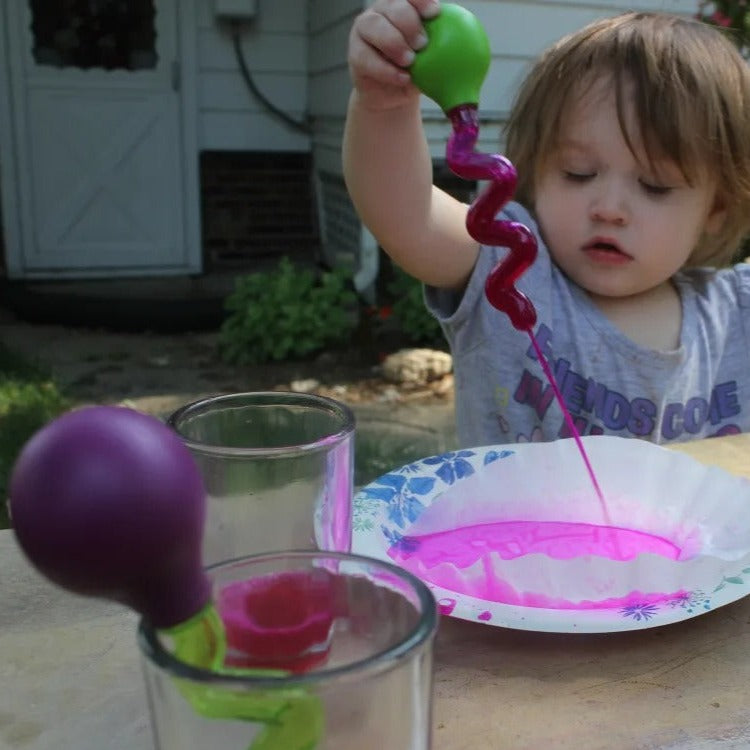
{"points": [[29, 398]]}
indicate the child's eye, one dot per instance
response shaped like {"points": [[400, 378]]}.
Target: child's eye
{"points": [[578, 176], [655, 189]]}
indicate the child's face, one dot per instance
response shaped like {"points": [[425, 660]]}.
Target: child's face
{"points": [[616, 226]]}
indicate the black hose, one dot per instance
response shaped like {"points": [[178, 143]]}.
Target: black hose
{"points": [[303, 127]]}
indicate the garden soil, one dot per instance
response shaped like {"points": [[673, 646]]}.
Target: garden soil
{"points": [[158, 372]]}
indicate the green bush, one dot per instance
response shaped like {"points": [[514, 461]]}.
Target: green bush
{"points": [[288, 312], [29, 399], [732, 16], [410, 312]]}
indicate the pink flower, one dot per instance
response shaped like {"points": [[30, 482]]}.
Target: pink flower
{"points": [[720, 19]]}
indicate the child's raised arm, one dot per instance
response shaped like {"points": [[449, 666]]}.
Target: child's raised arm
{"points": [[387, 163]]}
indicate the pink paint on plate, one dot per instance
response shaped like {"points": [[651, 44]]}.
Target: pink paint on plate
{"points": [[446, 605], [439, 558]]}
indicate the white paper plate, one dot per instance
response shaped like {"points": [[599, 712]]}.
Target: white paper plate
{"points": [[387, 508]]}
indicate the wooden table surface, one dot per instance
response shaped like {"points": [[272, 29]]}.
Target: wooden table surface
{"points": [[70, 677]]}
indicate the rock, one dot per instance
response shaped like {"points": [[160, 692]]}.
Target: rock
{"points": [[443, 386], [416, 366], [308, 385], [389, 395]]}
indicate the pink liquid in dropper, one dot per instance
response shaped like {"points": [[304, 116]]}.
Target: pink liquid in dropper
{"points": [[485, 228]]}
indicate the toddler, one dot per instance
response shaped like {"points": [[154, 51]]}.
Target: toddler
{"points": [[631, 138]]}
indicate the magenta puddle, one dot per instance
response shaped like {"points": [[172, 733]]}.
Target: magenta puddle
{"points": [[522, 530], [476, 548]]}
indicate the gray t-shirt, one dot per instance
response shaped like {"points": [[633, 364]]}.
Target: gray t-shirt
{"points": [[610, 384]]}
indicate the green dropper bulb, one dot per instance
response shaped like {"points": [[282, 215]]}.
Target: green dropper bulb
{"points": [[451, 68]]}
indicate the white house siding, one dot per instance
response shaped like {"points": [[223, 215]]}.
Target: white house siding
{"points": [[518, 30], [344, 239], [329, 85], [275, 47]]}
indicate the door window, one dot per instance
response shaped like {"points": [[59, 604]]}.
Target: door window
{"points": [[108, 34]]}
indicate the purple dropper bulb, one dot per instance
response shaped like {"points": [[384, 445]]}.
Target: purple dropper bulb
{"points": [[107, 501]]}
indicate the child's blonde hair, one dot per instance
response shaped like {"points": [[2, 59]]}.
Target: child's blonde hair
{"points": [[691, 103]]}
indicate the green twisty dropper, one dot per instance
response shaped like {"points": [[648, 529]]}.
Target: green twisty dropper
{"points": [[451, 70]]}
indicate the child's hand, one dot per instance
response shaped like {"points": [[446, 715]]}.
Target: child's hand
{"points": [[382, 44]]}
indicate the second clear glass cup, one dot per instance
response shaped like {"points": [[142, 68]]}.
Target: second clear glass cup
{"points": [[278, 468], [350, 641]]}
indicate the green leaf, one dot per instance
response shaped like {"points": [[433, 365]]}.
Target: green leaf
{"points": [[287, 312]]}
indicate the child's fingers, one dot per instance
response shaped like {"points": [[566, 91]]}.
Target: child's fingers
{"points": [[406, 18], [379, 33], [426, 8], [385, 37], [366, 61]]}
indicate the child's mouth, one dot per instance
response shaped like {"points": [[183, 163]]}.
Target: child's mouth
{"points": [[605, 252]]}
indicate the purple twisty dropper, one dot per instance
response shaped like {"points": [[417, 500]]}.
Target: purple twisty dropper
{"points": [[106, 501]]}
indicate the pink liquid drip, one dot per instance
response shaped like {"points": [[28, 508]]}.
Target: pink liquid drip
{"points": [[488, 230], [571, 425], [446, 558]]}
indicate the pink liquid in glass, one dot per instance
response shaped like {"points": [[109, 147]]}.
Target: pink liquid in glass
{"points": [[485, 228], [279, 621], [443, 558]]}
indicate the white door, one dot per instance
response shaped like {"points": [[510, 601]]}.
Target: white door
{"points": [[101, 140]]}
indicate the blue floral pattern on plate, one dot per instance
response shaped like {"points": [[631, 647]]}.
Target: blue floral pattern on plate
{"points": [[386, 508]]}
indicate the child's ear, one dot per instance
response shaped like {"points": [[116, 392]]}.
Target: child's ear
{"points": [[717, 216]]}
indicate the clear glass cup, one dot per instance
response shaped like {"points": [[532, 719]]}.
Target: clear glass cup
{"points": [[278, 468], [353, 636]]}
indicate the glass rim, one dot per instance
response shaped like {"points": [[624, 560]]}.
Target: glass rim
{"points": [[381, 661], [266, 398]]}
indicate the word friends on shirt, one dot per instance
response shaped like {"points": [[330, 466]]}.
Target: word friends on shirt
{"points": [[597, 409]]}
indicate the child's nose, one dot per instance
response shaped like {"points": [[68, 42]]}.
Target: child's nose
{"points": [[609, 205]]}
